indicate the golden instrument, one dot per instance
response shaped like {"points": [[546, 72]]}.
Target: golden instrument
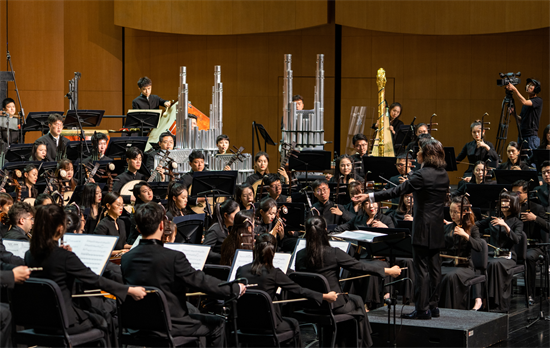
{"points": [[383, 144]]}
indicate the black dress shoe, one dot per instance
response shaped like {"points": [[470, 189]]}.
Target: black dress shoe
{"points": [[434, 312], [531, 301], [418, 315]]}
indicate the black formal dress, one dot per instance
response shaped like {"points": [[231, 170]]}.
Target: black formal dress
{"points": [[151, 264], [153, 102], [333, 260], [498, 269], [107, 227], [51, 145], [455, 283], [91, 222], [214, 237], [475, 154], [16, 233], [429, 188], [4, 228]]}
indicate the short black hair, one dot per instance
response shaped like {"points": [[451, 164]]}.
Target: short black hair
{"points": [[318, 183], [109, 198], [166, 134], [133, 152], [195, 154], [148, 218], [41, 198], [271, 178], [545, 164], [7, 101], [17, 210], [100, 136], [358, 137], [192, 116], [222, 137], [5, 198], [144, 82], [523, 184], [297, 97], [137, 189], [53, 118]]}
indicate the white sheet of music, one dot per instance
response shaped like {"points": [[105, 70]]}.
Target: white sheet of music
{"points": [[93, 250], [244, 257], [136, 242], [342, 245], [362, 236], [195, 254], [16, 247]]}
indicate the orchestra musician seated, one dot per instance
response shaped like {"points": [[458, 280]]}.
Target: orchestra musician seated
{"points": [[143, 193], [477, 150], [344, 171], [30, 172], [196, 161], [6, 201], [111, 224], [267, 222], [420, 132], [334, 214], [480, 176], [166, 143], [241, 236], [544, 189], [177, 200], [545, 140], [361, 145], [91, 205], [224, 217], [134, 158], [514, 161], [275, 188], [52, 139], [39, 151], [404, 210], [101, 140], [222, 142], [8, 109], [354, 188], [270, 278], [371, 217], [151, 264], [21, 217], [261, 163], [319, 257], [65, 175], [401, 164], [43, 199], [146, 100], [244, 195], [10, 275]]}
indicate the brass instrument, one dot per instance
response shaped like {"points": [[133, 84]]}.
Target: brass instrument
{"points": [[383, 145]]}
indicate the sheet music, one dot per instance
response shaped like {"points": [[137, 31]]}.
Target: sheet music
{"points": [[136, 242], [244, 257], [16, 247], [362, 236], [93, 250], [195, 254], [342, 245]]}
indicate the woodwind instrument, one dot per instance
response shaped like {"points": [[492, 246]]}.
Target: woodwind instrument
{"points": [[383, 145]]}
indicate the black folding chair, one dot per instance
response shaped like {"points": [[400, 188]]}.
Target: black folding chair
{"points": [[310, 312], [480, 260], [521, 264], [147, 322], [217, 271], [256, 321], [38, 306]]}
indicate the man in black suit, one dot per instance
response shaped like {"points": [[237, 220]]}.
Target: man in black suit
{"points": [[166, 143], [21, 217], [53, 140], [361, 144], [334, 214], [146, 100], [134, 158], [151, 264], [429, 186]]}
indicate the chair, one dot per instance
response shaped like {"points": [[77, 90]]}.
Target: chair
{"points": [[521, 265], [217, 271], [310, 312], [480, 260], [148, 322], [38, 305], [256, 320]]}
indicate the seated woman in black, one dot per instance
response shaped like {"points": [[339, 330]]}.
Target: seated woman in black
{"points": [[545, 139], [266, 222], [480, 176], [371, 217], [244, 195], [404, 211], [514, 158], [261, 163], [91, 205], [62, 266], [461, 237], [505, 232], [354, 188], [241, 236], [111, 224], [319, 257], [420, 132], [39, 151], [30, 172], [477, 149], [224, 217], [143, 193], [177, 200], [269, 279]]}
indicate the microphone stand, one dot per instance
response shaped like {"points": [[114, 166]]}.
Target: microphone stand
{"points": [[233, 303], [21, 110], [82, 134], [392, 301]]}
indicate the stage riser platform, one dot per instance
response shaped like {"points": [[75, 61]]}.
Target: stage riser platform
{"points": [[455, 328]]}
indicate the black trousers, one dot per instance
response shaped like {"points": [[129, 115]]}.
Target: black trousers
{"points": [[427, 272], [5, 325], [532, 258], [212, 328]]}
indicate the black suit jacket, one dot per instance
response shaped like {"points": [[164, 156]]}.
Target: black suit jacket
{"points": [[63, 267], [141, 102], [324, 210], [429, 188], [49, 140], [151, 264], [16, 233]]}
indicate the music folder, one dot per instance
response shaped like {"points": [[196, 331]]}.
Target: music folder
{"points": [[195, 254], [93, 250], [244, 257]]}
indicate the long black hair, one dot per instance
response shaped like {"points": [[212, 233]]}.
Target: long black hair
{"points": [[88, 195], [239, 237], [49, 218], [174, 190], [228, 207], [338, 175], [544, 140], [73, 219], [239, 191], [264, 251], [265, 205], [316, 240]]}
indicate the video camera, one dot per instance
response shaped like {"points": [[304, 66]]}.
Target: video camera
{"points": [[509, 78]]}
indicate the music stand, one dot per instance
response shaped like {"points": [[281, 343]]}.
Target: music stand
{"points": [[118, 145], [403, 138], [257, 130], [19, 152], [214, 183], [160, 190], [89, 118], [508, 177], [483, 196], [190, 228], [38, 121], [72, 149], [295, 219], [379, 166], [142, 119], [450, 159], [400, 246], [539, 156]]}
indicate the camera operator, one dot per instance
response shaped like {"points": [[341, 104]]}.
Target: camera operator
{"points": [[530, 113]]}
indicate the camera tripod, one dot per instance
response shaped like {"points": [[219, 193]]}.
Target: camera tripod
{"points": [[506, 112]]}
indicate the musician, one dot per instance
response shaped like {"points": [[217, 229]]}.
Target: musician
{"points": [[43, 199], [531, 110], [361, 144], [505, 232], [101, 139], [265, 219], [536, 226], [53, 138], [514, 161], [244, 195], [477, 149], [334, 214], [319, 257], [8, 109], [6, 201], [91, 204], [275, 188], [166, 143], [299, 100], [395, 122], [39, 151], [177, 200], [461, 237], [9, 275], [241, 236], [111, 224], [544, 189], [222, 142], [30, 172], [67, 180], [371, 217], [404, 209], [62, 266], [224, 217], [344, 172], [269, 279], [146, 100], [142, 193], [133, 158], [354, 188], [401, 164], [420, 132], [429, 187], [261, 163], [196, 161], [481, 176], [545, 141], [151, 264], [21, 217]]}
